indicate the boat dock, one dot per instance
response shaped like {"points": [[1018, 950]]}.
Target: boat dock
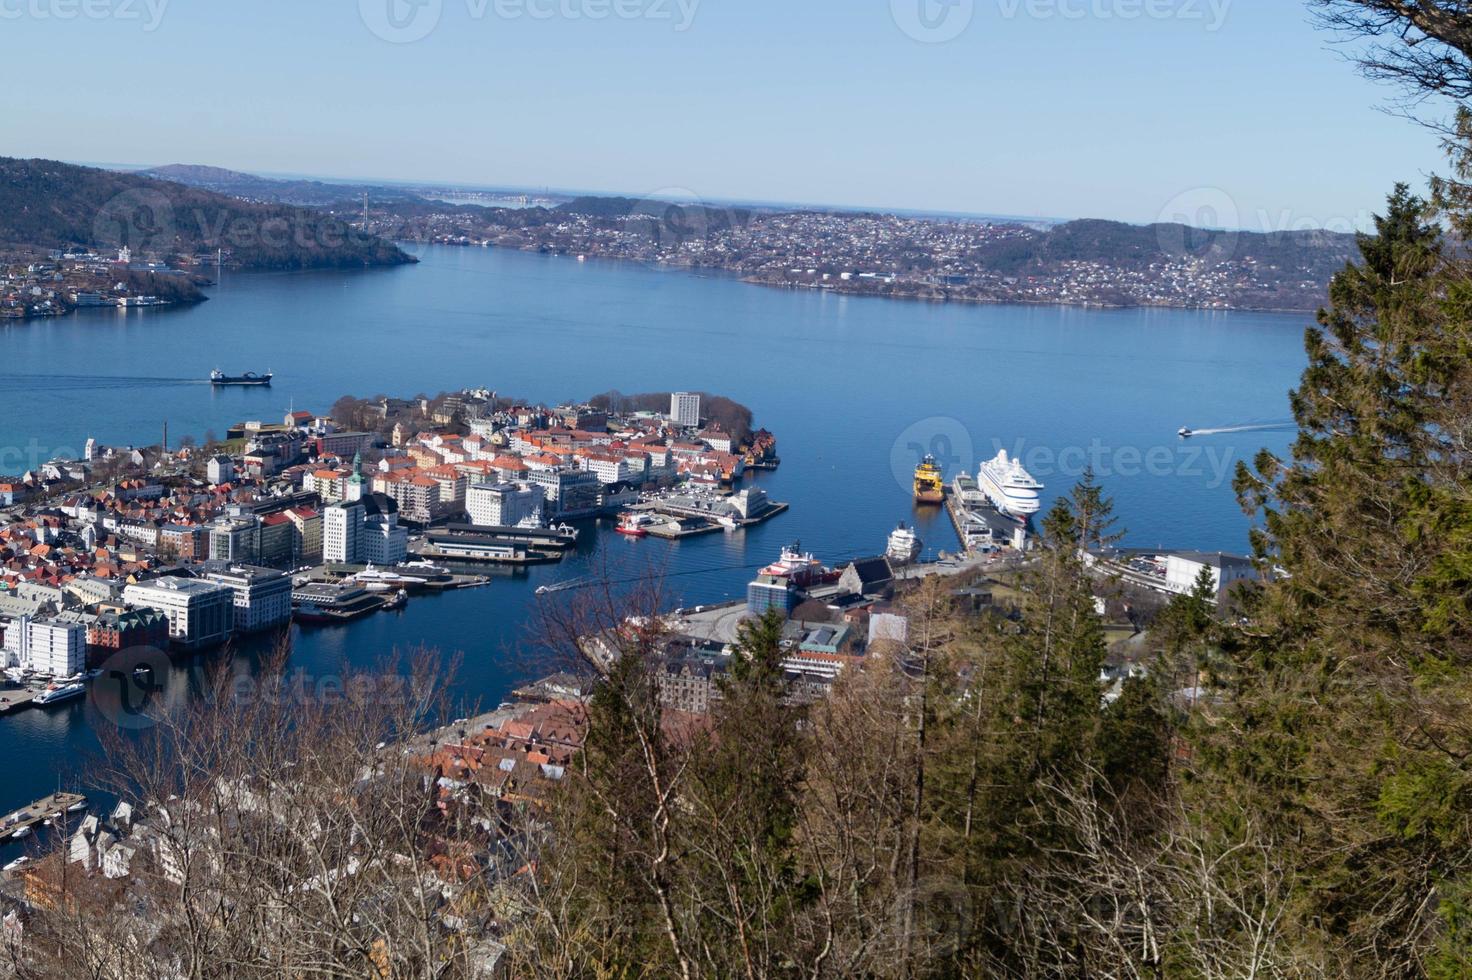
{"points": [[23, 821], [15, 700]]}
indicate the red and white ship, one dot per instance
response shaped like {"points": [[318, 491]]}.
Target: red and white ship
{"points": [[802, 568], [634, 525]]}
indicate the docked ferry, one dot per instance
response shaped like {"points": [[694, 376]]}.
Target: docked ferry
{"points": [[1010, 488], [218, 377], [904, 545], [801, 567], [930, 487], [56, 694]]}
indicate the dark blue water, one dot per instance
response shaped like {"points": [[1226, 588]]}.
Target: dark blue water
{"points": [[853, 388]]}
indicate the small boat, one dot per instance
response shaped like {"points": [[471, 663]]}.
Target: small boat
{"points": [[218, 377], [21, 833], [16, 865], [399, 600], [1185, 433], [77, 807]]}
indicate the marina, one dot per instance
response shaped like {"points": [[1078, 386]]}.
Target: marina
{"points": [[56, 807]]}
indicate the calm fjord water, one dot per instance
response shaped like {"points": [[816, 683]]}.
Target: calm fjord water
{"points": [[852, 387]]}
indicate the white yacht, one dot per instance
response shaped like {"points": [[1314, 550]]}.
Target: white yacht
{"points": [[56, 694], [904, 545], [1010, 488]]}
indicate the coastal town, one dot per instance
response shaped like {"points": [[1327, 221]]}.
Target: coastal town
{"points": [[1080, 263], [186, 547], [66, 280]]}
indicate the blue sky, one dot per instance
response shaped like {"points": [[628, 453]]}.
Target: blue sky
{"points": [[1130, 109]]}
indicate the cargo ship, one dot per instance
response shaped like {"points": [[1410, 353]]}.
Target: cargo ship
{"points": [[218, 377], [930, 487]]}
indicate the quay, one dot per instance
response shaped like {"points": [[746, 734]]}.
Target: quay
{"points": [[16, 700], [20, 823]]}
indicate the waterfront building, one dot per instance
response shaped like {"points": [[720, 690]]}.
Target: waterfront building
{"points": [[262, 596], [115, 630], [503, 504], [1182, 568], [685, 409], [382, 541], [53, 648], [568, 493], [771, 592], [200, 613], [342, 530]]}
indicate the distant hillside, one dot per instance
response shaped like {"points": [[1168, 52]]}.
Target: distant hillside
{"points": [[310, 193], [46, 204], [1316, 254]]}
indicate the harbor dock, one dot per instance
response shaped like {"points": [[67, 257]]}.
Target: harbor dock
{"points": [[20, 823], [15, 700]]}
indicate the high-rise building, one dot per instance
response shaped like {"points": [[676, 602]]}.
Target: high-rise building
{"points": [[685, 409], [342, 531]]}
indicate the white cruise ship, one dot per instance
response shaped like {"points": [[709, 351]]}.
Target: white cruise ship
{"points": [[1010, 488]]}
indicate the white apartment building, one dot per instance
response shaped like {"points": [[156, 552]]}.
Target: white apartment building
{"points": [[685, 409], [262, 596], [57, 649], [503, 504], [200, 613], [342, 532]]}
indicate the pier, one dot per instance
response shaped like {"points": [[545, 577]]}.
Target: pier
{"points": [[26, 819], [15, 700]]}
